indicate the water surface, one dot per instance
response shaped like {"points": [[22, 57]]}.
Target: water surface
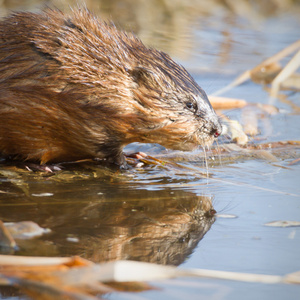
{"points": [[159, 214]]}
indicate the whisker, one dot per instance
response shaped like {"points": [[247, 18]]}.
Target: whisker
{"points": [[205, 160], [218, 152]]}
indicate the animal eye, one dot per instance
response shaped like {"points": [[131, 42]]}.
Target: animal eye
{"points": [[191, 105]]}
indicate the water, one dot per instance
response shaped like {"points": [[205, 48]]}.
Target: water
{"points": [[157, 214]]}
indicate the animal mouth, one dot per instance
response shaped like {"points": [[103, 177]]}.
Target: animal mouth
{"points": [[194, 142]]}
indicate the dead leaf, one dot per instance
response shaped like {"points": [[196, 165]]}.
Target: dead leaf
{"points": [[237, 133], [283, 224], [6, 239], [226, 103], [266, 73], [294, 162], [269, 63], [292, 278], [226, 216], [286, 72]]}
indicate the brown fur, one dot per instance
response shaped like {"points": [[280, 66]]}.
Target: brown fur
{"points": [[74, 87]]}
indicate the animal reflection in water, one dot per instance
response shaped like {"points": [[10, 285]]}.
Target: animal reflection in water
{"points": [[161, 227]]}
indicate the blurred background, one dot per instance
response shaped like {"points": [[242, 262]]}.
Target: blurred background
{"points": [[184, 28]]}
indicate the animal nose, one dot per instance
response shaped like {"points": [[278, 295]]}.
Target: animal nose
{"points": [[216, 134], [216, 130]]}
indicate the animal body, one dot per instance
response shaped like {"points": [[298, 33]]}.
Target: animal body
{"points": [[74, 87]]}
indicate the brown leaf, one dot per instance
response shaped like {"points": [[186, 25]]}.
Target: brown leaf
{"points": [[226, 103], [6, 239]]}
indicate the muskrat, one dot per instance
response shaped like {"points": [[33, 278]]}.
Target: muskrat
{"points": [[74, 87]]}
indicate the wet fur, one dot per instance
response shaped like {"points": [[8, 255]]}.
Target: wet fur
{"points": [[73, 87]]}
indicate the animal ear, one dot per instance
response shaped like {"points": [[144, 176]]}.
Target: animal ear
{"points": [[143, 76]]}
